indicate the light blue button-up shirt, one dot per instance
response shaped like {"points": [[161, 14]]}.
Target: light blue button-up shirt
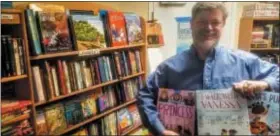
{"points": [[185, 71]]}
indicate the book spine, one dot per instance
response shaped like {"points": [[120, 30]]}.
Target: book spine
{"points": [[97, 71], [16, 54], [107, 60], [61, 77], [21, 56], [54, 75], [11, 56], [32, 31], [138, 58], [101, 69], [5, 69], [38, 83], [49, 80], [78, 75], [67, 77]]}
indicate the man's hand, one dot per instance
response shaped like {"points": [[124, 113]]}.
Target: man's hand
{"points": [[248, 88], [169, 133]]}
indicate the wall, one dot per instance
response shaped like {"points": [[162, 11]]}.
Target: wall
{"points": [[140, 8], [166, 16]]}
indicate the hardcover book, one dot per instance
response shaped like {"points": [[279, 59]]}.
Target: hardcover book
{"points": [[89, 32], [264, 114], [55, 118], [54, 32], [117, 28], [177, 110], [133, 28], [221, 112]]}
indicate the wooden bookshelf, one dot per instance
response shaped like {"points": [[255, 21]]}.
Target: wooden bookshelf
{"points": [[155, 45], [98, 116], [13, 78], [77, 92], [75, 53], [15, 120], [13, 24], [34, 60], [132, 129]]}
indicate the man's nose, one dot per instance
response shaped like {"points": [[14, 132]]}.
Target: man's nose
{"points": [[209, 26]]}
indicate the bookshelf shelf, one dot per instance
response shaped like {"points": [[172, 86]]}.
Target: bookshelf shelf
{"points": [[13, 78], [155, 45], [11, 11], [88, 89], [131, 129], [73, 53], [17, 119], [98, 116], [265, 49]]}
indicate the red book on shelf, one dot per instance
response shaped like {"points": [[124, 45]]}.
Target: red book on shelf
{"points": [[11, 105], [117, 28], [61, 77]]}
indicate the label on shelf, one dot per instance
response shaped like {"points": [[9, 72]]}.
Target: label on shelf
{"points": [[7, 16], [89, 52]]}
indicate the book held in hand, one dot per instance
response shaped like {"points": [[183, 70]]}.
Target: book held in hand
{"points": [[177, 110], [221, 112], [264, 114]]}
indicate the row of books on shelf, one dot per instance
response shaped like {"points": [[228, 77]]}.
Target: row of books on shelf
{"points": [[55, 119], [12, 56], [59, 30], [62, 77], [11, 111], [272, 58], [261, 10], [219, 112], [266, 35], [21, 128]]}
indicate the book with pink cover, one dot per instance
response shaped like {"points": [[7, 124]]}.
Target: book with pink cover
{"points": [[177, 110]]}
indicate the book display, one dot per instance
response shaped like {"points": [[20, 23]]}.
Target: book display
{"points": [[69, 70]]}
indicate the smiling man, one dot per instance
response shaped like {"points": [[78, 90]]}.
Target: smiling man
{"points": [[206, 66]]}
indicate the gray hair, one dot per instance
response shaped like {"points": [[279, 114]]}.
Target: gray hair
{"points": [[202, 6]]}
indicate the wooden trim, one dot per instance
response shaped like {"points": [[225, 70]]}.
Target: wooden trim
{"points": [[265, 49], [17, 119], [13, 78], [73, 53], [155, 45], [98, 116], [11, 11], [133, 129], [88, 89]]}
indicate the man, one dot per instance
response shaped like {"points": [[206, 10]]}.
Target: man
{"points": [[205, 66]]}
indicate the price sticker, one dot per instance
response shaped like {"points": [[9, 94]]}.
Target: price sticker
{"points": [[91, 52]]}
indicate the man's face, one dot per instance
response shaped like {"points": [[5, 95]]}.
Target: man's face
{"points": [[207, 27]]}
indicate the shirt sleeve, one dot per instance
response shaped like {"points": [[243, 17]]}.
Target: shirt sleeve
{"points": [[264, 71], [146, 101]]}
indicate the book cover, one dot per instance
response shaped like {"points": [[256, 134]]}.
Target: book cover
{"points": [[133, 28], [41, 123], [89, 32], [224, 111], [177, 110], [54, 32], [32, 31], [264, 114], [88, 105], [134, 114], [56, 122], [124, 120], [73, 112], [117, 28]]}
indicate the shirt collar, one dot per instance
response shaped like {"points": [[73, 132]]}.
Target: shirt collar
{"points": [[213, 53]]}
